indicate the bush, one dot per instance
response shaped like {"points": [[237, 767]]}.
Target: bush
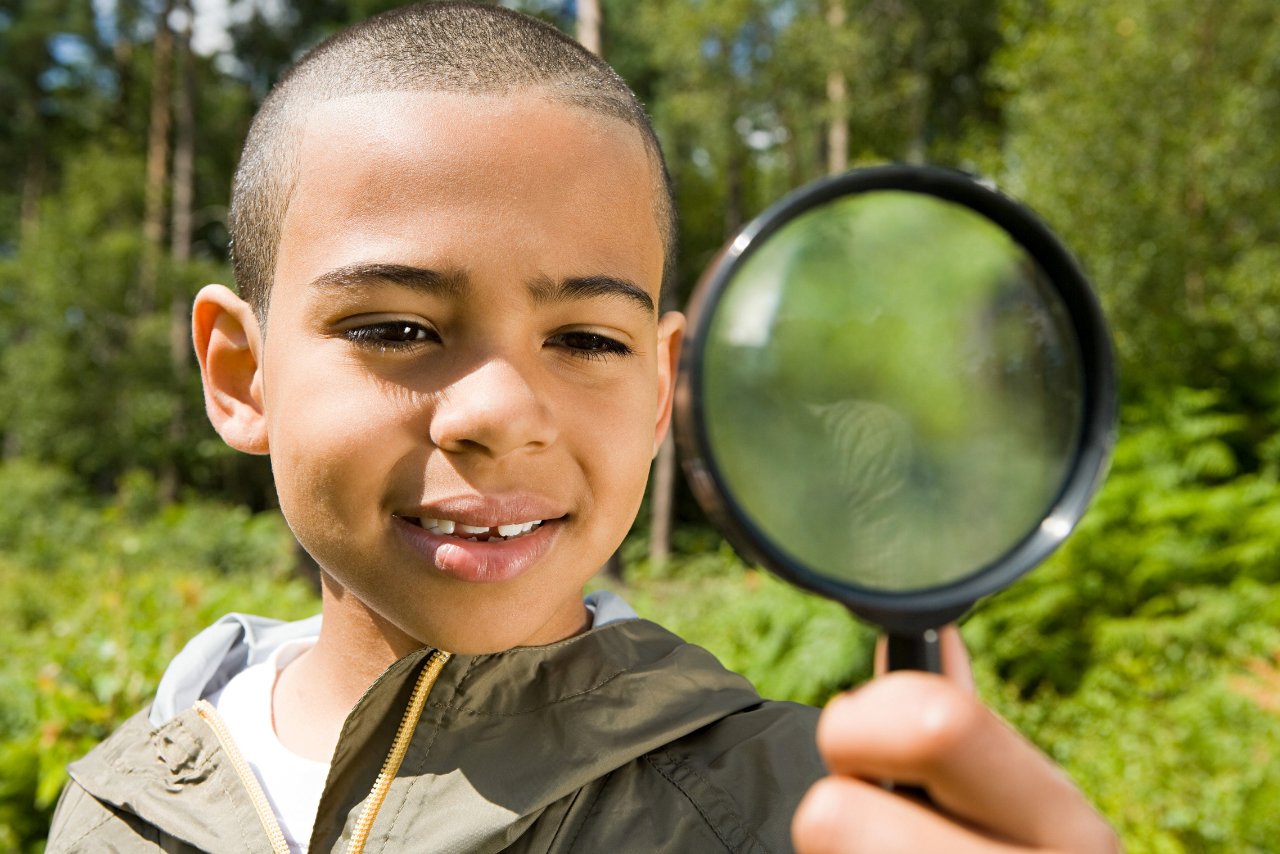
{"points": [[792, 645], [95, 599], [1172, 726]]}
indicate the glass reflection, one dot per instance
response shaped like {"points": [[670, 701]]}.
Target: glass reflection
{"points": [[893, 391]]}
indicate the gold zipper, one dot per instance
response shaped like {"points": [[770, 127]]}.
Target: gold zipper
{"points": [[261, 805], [391, 765], [400, 746]]}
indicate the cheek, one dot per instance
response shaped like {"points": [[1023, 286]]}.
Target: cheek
{"points": [[615, 433], [323, 450]]}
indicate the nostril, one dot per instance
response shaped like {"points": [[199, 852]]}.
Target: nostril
{"points": [[461, 446]]}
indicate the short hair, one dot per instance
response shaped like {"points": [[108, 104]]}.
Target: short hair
{"points": [[446, 47]]}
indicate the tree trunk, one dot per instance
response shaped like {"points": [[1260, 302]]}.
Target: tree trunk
{"points": [[735, 170], [837, 99], [589, 25], [32, 192], [917, 150], [184, 151], [157, 160], [180, 235], [661, 502]]}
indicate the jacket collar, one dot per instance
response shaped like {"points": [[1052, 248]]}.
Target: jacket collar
{"points": [[501, 738], [238, 641]]}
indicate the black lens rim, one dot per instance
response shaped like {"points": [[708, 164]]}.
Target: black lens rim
{"points": [[913, 610]]}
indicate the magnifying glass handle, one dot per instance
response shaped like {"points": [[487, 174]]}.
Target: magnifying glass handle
{"points": [[915, 652]]}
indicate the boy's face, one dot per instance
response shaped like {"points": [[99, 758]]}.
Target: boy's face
{"points": [[463, 329]]}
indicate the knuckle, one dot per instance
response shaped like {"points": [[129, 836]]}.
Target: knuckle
{"points": [[831, 818], [815, 828], [1103, 840], [943, 718]]}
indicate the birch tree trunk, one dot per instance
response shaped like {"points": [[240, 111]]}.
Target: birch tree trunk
{"points": [[837, 98], [157, 160], [589, 25], [32, 192], [180, 236]]}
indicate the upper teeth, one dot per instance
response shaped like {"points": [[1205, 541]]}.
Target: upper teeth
{"points": [[448, 526]]}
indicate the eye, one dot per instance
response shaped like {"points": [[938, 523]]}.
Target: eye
{"points": [[391, 334], [590, 345]]}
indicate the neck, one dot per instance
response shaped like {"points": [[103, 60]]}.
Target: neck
{"points": [[314, 694]]}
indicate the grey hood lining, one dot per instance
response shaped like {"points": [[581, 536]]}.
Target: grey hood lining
{"points": [[238, 641]]}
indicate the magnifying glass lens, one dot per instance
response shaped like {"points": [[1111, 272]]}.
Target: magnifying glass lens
{"points": [[893, 391]]}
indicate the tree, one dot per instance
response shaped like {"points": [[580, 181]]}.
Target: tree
{"points": [[589, 27], [157, 185], [1145, 133]]}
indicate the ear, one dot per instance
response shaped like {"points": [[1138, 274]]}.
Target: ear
{"points": [[670, 337], [228, 344]]}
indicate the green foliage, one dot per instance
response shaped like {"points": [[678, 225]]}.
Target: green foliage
{"points": [[1128, 655], [47, 522], [1144, 132], [1162, 729], [95, 598], [792, 645]]}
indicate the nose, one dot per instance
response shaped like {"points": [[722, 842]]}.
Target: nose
{"points": [[492, 410]]}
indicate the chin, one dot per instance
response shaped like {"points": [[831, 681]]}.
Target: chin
{"points": [[482, 633]]}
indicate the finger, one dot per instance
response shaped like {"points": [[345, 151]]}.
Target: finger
{"points": [[841, 815], [955, 658], [922, 730]]}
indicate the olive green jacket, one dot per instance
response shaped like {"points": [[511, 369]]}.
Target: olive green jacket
{"points": [[622, 739]]}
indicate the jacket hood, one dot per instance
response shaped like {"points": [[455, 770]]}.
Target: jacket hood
{"points": [[239, 641], [502, 736]]}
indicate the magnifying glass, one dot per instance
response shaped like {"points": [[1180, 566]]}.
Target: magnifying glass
{"points": [[897, 392]]}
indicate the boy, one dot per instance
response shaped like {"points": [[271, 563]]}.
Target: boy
{"points": [[451, 226]]}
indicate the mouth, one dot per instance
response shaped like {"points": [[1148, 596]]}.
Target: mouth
{"points": [[476, 533], [472, 550]]}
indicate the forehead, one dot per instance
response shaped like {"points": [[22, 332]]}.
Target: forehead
{"points": [[404, 177]]}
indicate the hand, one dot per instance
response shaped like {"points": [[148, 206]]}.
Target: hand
{"points": [[992, 790]]}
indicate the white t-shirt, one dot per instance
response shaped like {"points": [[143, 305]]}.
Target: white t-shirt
{"points": [[293, 783]]}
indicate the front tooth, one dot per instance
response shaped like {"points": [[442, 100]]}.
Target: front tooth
{"points": [[472, 529], [444, 526], [511, 530]]}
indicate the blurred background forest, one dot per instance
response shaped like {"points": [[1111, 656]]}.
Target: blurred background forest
{"points": [[1145, 656]]}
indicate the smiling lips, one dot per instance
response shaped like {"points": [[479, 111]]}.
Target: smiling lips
{"points": [[476, 533], [484, 553]]}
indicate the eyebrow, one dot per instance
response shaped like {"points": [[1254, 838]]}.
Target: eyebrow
{"points": [[434, 282], [546, 291], [453, 284]]}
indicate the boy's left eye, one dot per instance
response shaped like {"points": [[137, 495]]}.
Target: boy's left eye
{"points": [[590, 345]]}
